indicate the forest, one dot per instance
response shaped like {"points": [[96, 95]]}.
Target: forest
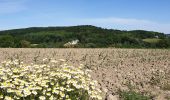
{"points": [[88, 36]]}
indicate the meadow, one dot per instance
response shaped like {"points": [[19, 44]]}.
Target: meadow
{"points": [[152, 40], [119, 72]]}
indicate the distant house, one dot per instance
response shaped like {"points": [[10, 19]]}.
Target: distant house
{"points": [[156, 36], [71, 44], [74, 42]]}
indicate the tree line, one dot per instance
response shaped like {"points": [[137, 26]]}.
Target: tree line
{"points": [[88, 36]]}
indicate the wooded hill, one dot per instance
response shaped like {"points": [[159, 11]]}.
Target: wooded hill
{"points": [[88, 37]]}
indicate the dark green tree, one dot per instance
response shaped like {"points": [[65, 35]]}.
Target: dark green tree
{"points": [[25, 44], [6, 41]]}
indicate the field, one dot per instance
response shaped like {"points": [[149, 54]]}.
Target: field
{"points": [[144, 71], [152, 40]]}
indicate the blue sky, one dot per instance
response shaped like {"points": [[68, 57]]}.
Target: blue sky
{"points": [[152, 15]]}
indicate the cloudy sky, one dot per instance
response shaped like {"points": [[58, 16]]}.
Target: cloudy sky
{"points": [[152, 15]]}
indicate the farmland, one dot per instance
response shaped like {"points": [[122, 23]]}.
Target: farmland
{"points": [[139, 70], [152, 40]]}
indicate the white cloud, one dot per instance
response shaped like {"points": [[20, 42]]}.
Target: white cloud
{"points": [[125, 24], [11, 6]]}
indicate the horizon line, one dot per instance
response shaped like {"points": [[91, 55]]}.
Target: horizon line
{"points": [[75, 26]]}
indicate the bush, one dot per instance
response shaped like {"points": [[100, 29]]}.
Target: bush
{"points": [[52, 80], [25, 44], [131, 95], [164, 43], [90, 45], [6, 41]]}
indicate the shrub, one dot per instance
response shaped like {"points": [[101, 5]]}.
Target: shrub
{"points": [[6, 41], [131, 95], [25, 44], [52, 80]]}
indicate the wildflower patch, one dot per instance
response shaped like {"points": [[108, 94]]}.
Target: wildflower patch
{"points": [[52, 80]]}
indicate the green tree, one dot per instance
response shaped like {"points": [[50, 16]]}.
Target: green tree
{"points": [[6, 41], [25, 44], [164, 43]]}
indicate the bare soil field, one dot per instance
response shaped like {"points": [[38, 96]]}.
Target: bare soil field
{"points": [[146, 71]]}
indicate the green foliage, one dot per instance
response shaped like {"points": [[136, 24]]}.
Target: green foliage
{"points": [[165, 43], [131, 95], [25, 44], [88, 36], [6, 41], [90, 45]]}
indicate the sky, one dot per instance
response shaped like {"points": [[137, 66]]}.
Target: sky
{"points": [[151, 15]]}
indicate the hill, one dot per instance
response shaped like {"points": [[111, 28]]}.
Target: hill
{"points": [[86, 36]]}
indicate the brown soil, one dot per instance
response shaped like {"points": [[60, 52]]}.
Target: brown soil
{"points": [[142, 70]]}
